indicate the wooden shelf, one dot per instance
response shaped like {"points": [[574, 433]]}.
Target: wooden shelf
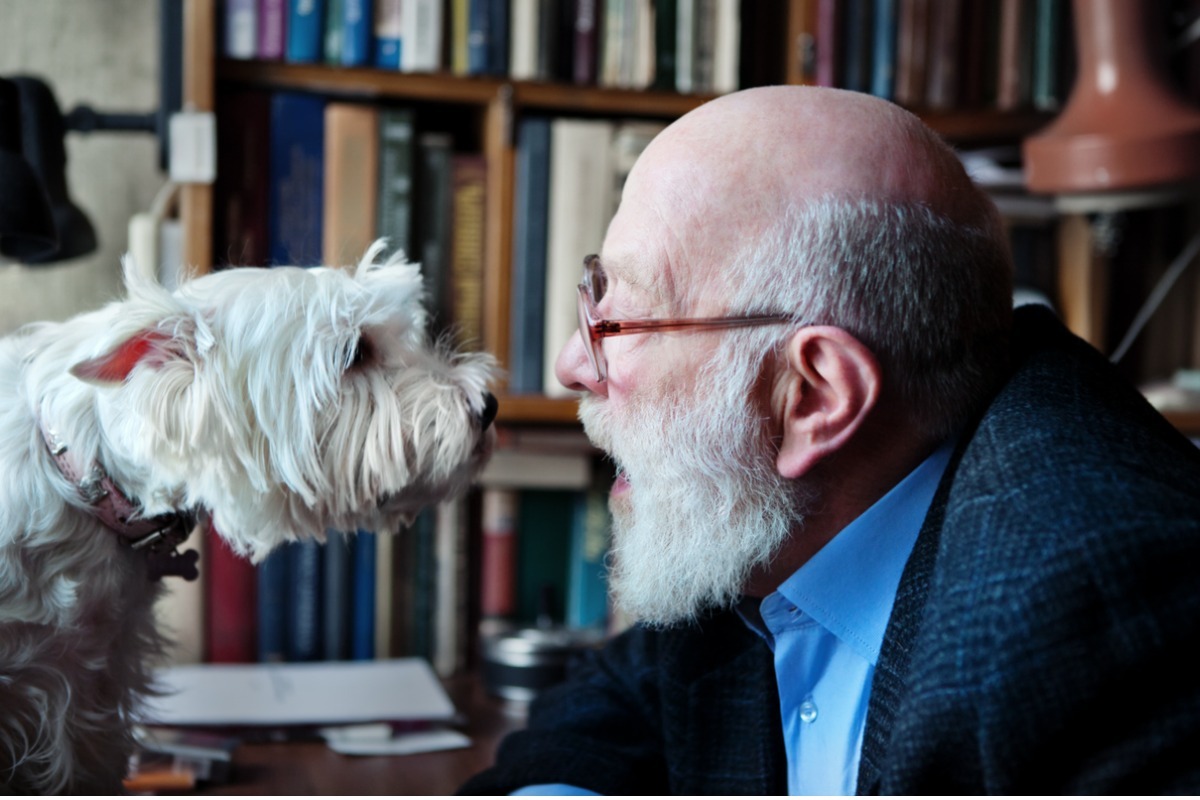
{"points": [[444, 88], [529, 408]]}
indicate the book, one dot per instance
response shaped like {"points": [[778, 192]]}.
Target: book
{"points": [[421, 21], [585, 42], [544, 521], [587, 577], [450, 613], [942, 78], [580, 203], [272, 29], [528, 293], [468, 202], [828, 45], [230, 602], [302, 617], [337, 605], [352, 139], [883, 48], [388, 33], [435, 153], [272, 596], [523, 40], [296, 182], [460, 36], [498, 553], [1014, 63], [240, 30], [1048, 62], [362, 596], [357, 32], [385, 594], [858, 35], [665, 43], [305, 31], [334, 31], [241, 197], [727, 42], [912, 51], [394, 182]]}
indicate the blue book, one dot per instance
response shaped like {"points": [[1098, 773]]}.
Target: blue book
{"points": [[272, 605], [479, 36], [545, 518], [305, 31], [297, 179], [362, 598], [587, 576], [336, 599], [883, 59], [497, 51], [528, 297], [387, 33], [858, 34], [302, 641], [357, 32]]}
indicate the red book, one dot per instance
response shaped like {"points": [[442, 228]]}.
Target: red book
{"points": [[230, 604], [498, 567]]}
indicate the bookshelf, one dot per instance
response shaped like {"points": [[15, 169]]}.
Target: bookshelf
{"points": [[495, 103]]}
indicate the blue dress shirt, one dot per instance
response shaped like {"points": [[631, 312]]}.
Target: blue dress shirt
{"points": [[825, 625]]}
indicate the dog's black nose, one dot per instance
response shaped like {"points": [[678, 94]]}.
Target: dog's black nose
{"points": [[490, 406]]}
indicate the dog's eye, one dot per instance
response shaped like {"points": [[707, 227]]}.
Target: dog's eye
{"points": [[358, 353]]}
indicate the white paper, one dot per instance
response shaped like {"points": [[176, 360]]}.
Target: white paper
{"points": [[351, 742], [318, 693]]}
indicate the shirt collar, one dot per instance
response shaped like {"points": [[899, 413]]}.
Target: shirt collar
{"points": [[849, 585]]}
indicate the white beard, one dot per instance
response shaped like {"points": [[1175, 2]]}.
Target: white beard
{"points": [[706, 504]]}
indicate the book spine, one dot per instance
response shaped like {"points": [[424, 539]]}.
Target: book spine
{"points": [[305, 31], [479, 35], [240, 29], [357, 32], [498, 556], [584, 42], [665, 42], [388, 33], [271, 591], [435, 152], [497, 51], [362, 596], [544, 520], [529, 255], [523, 40], [857, 33], [587, 581], [351, 172], [303, 615], [883, 56], [467, 253], [231, 600], [829, 43], [395, 178], [423, 22], [336, 599], [334, 31], [272, 29], [297, 178], [240, 213]]}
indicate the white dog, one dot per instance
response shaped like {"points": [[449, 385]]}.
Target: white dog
{"points": [[275, 402]]}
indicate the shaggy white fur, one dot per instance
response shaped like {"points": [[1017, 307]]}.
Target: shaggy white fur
{"points": [[277, 402]]}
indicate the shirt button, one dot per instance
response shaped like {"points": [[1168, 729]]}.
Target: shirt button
{"points": [[808, 711]]}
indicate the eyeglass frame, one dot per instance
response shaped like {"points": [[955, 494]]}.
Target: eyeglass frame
{"points": [[592, 330]]}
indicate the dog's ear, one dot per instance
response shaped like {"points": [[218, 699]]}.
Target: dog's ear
{"points": [[148, 345]]}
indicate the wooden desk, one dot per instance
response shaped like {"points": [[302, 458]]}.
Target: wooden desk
{"points": [[302, 768]]}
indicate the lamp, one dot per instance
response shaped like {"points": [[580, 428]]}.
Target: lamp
{"points": [[1126, 138], [27, 227], [42, 133]]}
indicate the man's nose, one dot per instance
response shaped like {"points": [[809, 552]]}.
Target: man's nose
{"points": [[573, 369]]}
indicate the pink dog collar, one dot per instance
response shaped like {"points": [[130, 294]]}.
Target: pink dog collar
{"points": [[158, 537]]}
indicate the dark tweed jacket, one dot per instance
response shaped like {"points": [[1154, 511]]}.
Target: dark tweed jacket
{"points": [[1041, 639]]}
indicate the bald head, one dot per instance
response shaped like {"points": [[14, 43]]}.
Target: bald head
{"points": [[836, 207], [789, 144]]}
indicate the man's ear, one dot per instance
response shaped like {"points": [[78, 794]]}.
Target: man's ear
{"points": [[831, 384]]}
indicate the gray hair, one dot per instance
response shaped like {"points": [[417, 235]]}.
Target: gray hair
{"points": [[931, 298]]}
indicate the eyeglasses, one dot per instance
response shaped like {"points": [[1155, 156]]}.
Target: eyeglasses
{"points": [[592, 330]]}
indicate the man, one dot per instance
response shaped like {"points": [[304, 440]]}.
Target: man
{"points": [[883, 534]]}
